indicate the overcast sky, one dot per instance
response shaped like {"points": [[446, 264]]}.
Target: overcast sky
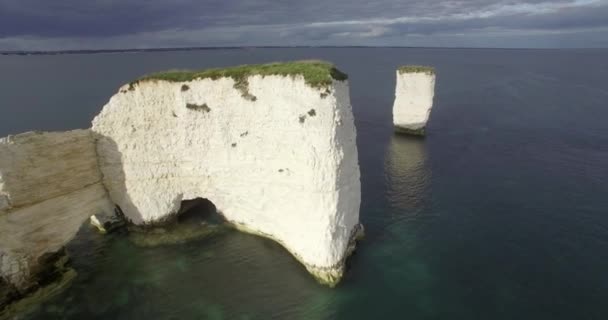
{"points": [[116, 24]]}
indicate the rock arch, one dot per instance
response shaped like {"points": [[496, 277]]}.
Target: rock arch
{"points": [[276, 153], [273, 146]]}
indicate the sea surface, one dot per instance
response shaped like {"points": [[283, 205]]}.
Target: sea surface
{"points": [[501, 212]]}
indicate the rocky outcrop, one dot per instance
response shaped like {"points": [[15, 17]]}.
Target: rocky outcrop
{"points": [[413, 99], [50, 184], [272, 146]]}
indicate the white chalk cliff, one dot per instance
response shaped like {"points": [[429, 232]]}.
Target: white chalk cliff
{"points": [[273, 149], [413, 99], [277, 158]]}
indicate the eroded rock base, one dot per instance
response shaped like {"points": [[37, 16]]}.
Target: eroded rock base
{"points": [[420, 132], [329, 276], [54, 274]]}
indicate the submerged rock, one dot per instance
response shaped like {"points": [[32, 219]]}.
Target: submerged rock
{"points": [[413, 99], [52, 275], [196, 219], [175, 234]]}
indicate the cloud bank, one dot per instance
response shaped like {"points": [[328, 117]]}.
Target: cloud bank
{"points": [[114, 24]]}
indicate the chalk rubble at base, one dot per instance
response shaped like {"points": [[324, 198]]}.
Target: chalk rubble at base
{"points": [[413, 99], [276, 155]]}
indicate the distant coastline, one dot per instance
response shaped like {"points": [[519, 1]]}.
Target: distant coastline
{"points": [[135, 50]]}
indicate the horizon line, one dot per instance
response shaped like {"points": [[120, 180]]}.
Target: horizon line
{"points": [[164, 49]]}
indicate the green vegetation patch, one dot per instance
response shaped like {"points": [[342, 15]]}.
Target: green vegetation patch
{"points": [[416, 69], [316, 73]]}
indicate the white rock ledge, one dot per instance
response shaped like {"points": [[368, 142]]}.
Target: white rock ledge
{"points": [[413, 99], [280, 162]]}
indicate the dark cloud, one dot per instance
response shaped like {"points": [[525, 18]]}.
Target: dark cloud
{"points": [[141, 23]]}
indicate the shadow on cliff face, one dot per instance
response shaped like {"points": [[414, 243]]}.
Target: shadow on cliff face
{"points": [[115, 176]]}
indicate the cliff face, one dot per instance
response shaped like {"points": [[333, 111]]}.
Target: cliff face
{"points": [[277, 157], [50, 184], [272, 146], [413, 99]]}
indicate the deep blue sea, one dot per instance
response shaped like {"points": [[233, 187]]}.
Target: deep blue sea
{"points": [[501, 212]]}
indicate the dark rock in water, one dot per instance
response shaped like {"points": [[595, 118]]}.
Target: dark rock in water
{"points": [[52, 275], [409, 131], [51, 267], [8, 293]]}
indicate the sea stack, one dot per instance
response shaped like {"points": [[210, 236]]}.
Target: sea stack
{"points": [[272, 146], [413, 99]]}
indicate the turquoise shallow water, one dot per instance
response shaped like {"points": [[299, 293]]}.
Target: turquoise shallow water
{"points": [[500, 213]]}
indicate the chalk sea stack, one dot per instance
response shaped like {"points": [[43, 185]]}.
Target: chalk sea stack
{"points": [[413, 99], [272, 146]]}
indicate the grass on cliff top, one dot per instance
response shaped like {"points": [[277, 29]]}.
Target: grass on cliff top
{"points": [[416, 69], [316, 73]]}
